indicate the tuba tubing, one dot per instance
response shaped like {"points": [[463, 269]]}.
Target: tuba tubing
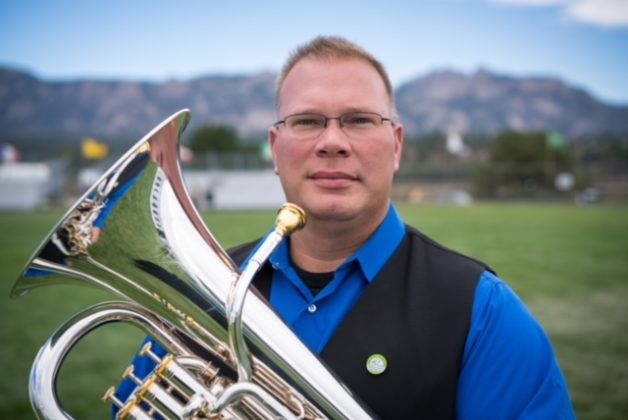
{"points": [[137, 234], [42, 382]]}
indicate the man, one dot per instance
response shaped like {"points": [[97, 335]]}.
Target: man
{"points": [[416, 330]]}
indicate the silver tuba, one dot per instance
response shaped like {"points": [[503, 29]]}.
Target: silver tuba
{"points": [[137, 234]]}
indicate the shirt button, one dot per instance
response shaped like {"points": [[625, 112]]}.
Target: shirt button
{"points": [[312, 308]]}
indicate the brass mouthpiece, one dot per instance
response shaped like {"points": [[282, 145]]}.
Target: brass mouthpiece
{"points": [[290, 218]]}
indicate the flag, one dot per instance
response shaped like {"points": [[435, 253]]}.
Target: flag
{"points": [[556, 141], [8, 153], [93, 149]]}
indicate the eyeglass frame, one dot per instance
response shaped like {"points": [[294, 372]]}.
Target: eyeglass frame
{"points": [[339, 118]]}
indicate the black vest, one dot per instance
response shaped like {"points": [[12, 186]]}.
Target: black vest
{"points": [[417, 314]]}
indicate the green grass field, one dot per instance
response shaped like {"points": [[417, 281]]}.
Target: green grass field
{"points": [[569, 264]]}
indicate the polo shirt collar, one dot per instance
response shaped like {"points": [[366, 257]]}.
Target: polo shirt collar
{"points": [[372, 256]]}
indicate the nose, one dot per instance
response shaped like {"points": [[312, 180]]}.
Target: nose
{"points": [[333, 141]]}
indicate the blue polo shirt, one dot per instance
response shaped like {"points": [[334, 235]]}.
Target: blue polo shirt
{"points": [[315, 318], [508, 368]]}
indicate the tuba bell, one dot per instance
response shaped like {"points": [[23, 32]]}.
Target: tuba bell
{"points": [[137, 234]]}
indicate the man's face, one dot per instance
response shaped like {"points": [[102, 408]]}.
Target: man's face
{"points": [[336, 175]]}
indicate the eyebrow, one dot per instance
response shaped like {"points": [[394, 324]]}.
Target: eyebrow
{"points": [[346, 111]]}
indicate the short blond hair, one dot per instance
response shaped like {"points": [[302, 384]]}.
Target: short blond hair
{"points": [[334, 47]]}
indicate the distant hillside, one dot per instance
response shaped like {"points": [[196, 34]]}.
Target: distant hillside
{"points": [[441, 101], [118, 109], [488, 103]]}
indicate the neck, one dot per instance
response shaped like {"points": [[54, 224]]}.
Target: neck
{"points": [[323, 245]]}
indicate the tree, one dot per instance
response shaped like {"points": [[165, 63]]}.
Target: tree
{"points": [[214, 139], [523, 165]]}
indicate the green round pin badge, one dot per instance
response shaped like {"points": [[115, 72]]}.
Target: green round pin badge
{"points": [[376, 364]]}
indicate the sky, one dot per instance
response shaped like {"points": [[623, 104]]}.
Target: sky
{"points": [[582, 42]]}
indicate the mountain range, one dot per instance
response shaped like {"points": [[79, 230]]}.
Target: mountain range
{"points": [[441, 101]]}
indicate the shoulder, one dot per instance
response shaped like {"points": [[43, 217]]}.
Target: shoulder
{"points": [[263, 278], [447, 270], [239, 253], [509, 368], [443, 280], [427, 252], [498, 305]]}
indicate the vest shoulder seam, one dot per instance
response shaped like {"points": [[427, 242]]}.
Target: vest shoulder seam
{"points": [[426, 240]]}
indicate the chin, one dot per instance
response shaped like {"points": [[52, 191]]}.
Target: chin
{"points": [[333, 211]]}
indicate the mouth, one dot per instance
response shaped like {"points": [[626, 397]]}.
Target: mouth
{"points": [[333, 179]]}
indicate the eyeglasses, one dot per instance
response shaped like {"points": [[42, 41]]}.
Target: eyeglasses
{"points": [[311, 125]]}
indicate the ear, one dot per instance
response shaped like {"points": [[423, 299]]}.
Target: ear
{"points": [[272, 139], [398, 143]]}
